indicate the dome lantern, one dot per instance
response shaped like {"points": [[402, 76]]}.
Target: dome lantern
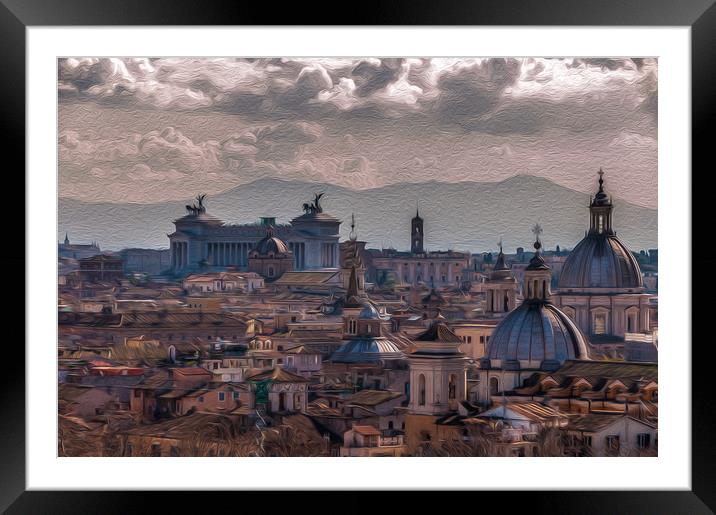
{"points": [[600, 210], [537, 274]]}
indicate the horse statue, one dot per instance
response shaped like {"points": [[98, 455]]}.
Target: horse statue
{"points": [[315, 206], [194, 209]]}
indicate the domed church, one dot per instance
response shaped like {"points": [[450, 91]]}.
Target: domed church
{"points": [[536, 336], [600, 286], [270, 257]]}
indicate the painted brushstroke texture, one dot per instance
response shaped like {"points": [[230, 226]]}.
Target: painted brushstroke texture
{"points": [[461, 216], [154, 132]]}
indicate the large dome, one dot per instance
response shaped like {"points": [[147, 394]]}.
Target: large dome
{"points": [[537, 333], [600, 261]]}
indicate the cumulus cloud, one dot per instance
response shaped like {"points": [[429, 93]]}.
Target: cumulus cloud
{"points": [[170, 158], [461, 92], [360, 123]]}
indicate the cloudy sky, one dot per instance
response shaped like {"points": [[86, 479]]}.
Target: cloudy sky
{"points": [[152, 130]]}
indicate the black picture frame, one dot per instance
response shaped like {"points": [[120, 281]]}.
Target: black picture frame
{"points": [[700, 15]]}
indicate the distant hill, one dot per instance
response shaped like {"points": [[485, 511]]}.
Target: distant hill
{"points": [[464, 216]]}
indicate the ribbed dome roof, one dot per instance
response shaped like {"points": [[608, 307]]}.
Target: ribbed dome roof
{"points": [[600, 261], [366, 350], [271, 244], [370, 312], [538, 332]]}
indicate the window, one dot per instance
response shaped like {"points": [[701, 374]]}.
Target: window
{"points": [[643, 440], [494, 386], [612, 443], [222, 395], [174, 451], [601, 224], [632, 319], [587, 441], [156, 450], [482, 339], [421, 390], [129, 449], [137, 393], [452, 387], [390, 424], [600, 323], [235, 395]]}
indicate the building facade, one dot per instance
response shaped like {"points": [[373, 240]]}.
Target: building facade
{"points": [[419, 266], [202, 241], [76, 251]]}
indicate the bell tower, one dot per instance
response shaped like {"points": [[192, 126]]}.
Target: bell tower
{"points": [[416, 234], [500, 288]]}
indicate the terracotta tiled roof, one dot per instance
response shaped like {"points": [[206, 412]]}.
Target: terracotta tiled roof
{"points": [[610, 369], [278, 375], [303, 278], [372, 397], [594, 422], [366, 430]]}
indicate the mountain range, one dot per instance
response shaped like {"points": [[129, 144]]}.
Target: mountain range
{"points": [[470, 216]]}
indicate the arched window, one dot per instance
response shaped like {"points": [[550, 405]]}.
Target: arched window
{"points": [[632, 320], [494, 386], [421, 390], [599, 322]]}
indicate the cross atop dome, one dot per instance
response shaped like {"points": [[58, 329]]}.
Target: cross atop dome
{"points": [[537, 230]]}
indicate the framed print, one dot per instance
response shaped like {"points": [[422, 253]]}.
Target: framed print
{"points": [[433, 239]]}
